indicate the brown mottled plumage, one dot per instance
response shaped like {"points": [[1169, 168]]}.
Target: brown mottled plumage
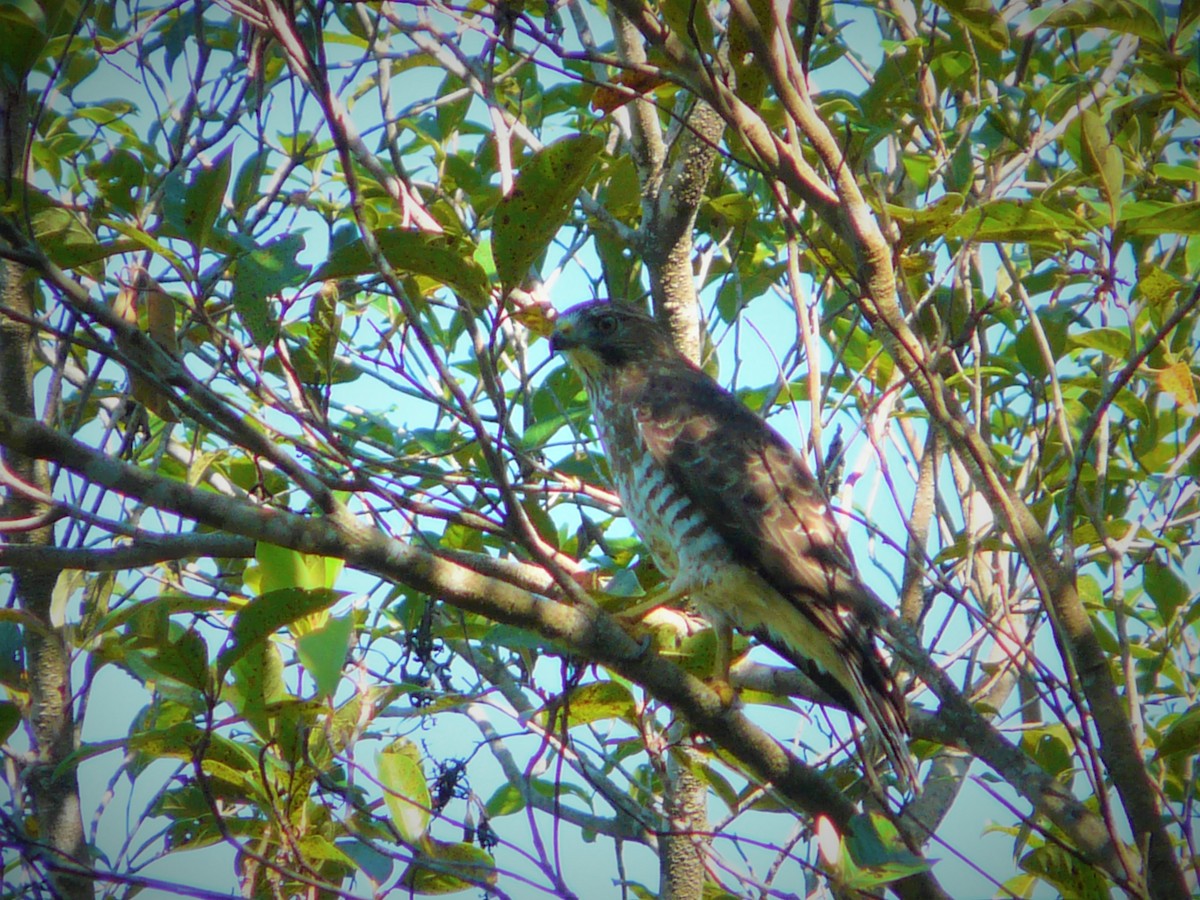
{"points": [[731, 513]]}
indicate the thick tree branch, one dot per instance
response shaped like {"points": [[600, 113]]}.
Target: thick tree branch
{"points": [[147, 550], [589, 631], [52, 784]]}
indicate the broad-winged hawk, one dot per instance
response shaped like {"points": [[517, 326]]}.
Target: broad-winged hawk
{"points": [[731, 514]]}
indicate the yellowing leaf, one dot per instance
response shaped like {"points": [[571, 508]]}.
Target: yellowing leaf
{"points": [[406, 792], [1177, 380], [537, 317]]}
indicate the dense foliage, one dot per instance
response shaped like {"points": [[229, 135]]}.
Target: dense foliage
{"points": [[312, 556]]}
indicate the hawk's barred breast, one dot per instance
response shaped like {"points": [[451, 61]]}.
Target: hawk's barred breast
{"points": [[674, 530]]}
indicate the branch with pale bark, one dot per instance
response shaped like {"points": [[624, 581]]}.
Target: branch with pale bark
{"points": [[588, 631]]}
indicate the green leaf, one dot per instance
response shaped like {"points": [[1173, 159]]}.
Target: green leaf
{"points": [[323, 653], [447, 868], [374, 864], [735, 208], [246, 184], [417, 253], [315, 847], [185, 660], [69, 243], [1016, 221], [1165, 587], [264, 615], [406, 792], [12, 653], [527, 219], [10, 719], [1152, 217], [1169, 172], [279, 568], [599, 700], [690, 23], [1102, 159], [119, 177], [1073, 878], [877, 855], [1156, 285], [1049, 748], [1112, 341], [191, 207], [506, 800], [324, 329], [1055, 326], [1124, 16], [981, 18], [261, 274], [258, 685], [22, 39], [1183, 736]]}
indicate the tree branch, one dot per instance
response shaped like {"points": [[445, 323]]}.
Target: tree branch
{"points": [[146, 550], [587, 630]]}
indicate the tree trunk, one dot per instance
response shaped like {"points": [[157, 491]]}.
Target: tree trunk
{"points": [[681, 859], [52, 786]]}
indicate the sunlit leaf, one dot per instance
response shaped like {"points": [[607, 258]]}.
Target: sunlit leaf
{"points": [[1112, 341], [593, 702], [406, 790], [185, 660], [447, 868], [279, 568], [258, 685], [416, 252], [1178, 381], [541, 198], [323, 652], [266, 614], [1124, 16]]}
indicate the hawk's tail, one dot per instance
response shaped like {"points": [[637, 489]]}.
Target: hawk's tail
{"points": [[881, 705], [872, 695]]}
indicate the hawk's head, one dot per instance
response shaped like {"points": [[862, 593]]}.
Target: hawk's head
{"points": [[599, 337]]}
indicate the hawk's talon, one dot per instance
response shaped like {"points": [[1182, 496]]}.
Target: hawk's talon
{"points": [[644, 644]]}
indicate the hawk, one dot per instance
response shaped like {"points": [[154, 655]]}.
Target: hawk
{"points": [[731, 514]]}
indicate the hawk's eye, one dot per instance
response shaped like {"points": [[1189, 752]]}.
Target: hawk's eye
{"points": [[606, 324]]}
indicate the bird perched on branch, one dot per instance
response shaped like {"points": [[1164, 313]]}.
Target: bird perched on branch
{"points": [[731, 514]]}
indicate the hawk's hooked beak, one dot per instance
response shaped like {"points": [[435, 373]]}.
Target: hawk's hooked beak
{"points": [[562, 338]]}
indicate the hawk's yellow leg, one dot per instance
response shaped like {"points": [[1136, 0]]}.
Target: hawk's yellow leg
{"points": [[719, 681], [722, 660]]}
